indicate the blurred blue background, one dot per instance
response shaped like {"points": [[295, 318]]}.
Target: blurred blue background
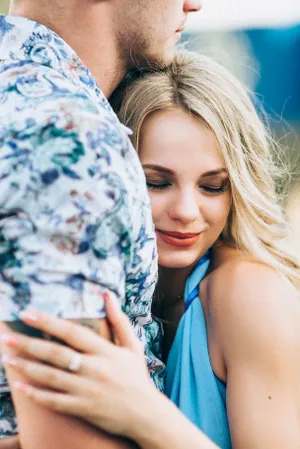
{"points": [[262, 40]]}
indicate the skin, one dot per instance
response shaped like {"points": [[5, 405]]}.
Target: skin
{"points": [[113, 36], [10, 443], [110, 36], [189, 192], [102, 360], [46, 421], [258, 358]]}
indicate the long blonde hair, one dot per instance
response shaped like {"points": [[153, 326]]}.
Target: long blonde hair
{"points": [[256, 224]]}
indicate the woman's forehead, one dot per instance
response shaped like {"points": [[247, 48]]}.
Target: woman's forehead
{"points": [[177, 139]]}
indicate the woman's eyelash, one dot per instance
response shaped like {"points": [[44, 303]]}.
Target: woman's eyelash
{"points": [[211, 190], [157, 186], [214, 190]]}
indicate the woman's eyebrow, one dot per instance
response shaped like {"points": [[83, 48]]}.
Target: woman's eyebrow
{"points": [[216, 172], [162, 169], [159, 168]]}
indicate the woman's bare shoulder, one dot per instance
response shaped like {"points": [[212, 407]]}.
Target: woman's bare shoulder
{"points": [[236, 274], [245, 293]]}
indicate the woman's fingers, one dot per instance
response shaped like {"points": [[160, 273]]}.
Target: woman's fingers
{"points": [[62, 403], [10, 443], [122, 327], [74, 335], [45, 375], [36, 348]]}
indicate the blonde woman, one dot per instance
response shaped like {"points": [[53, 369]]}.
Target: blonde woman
{"points": [[227, 290]]}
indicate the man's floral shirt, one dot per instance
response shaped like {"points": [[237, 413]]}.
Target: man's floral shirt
{"points": [[75, 218]]}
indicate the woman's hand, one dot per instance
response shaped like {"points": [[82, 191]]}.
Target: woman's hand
{"points": [[105, 384]]}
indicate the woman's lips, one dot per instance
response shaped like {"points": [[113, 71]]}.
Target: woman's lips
{"points": [[178, 238]]}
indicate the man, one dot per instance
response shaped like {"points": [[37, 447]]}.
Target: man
{"points": [[75, 221]]}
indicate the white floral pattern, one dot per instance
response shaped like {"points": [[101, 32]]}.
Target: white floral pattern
{"points": [[75, 218]]}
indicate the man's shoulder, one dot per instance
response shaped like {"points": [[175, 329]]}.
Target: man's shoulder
{"points": [[47, 120], [37, 100], [36, 90]]}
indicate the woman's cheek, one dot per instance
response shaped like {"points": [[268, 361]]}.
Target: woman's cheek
{"points": [[216, 211], [157, 205]]}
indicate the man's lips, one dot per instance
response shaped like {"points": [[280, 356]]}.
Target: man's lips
{"points": [[178, 238], [182, 26]]}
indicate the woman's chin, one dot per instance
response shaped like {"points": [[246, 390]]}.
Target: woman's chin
{"points": [[177, 261]]}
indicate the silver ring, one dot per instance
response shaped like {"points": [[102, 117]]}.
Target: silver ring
{"points": [[75, 363]]}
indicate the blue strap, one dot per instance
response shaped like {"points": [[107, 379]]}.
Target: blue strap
{"points": [[193, 295], [204, 263]]}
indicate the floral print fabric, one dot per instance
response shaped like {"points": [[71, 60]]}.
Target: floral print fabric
{"points": [[75, 218]]}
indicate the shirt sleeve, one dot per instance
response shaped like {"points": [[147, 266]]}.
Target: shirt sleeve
{"points": [[65, 222]]}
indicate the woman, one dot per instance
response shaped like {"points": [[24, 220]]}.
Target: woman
{"points": [[225, 274]]}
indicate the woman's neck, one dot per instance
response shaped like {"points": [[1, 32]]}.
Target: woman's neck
{"points": [[171, 282], [168, 304]]}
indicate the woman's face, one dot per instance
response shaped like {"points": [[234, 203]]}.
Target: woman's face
{"points": [[188, 185]]}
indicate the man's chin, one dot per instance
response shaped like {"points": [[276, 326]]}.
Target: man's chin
{"points": [[166, 58], [154, 60]]}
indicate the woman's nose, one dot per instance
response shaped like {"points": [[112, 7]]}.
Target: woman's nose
{"points": [[184, 207]]}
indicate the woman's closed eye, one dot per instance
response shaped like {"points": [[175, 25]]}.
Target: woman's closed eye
{"points": [[215, 190], [212, 190], [158, 185]]}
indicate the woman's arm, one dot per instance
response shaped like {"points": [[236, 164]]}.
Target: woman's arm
{"points": [[258, 329], [10, 443], [111, 390], [40, 427], [166, 427]]}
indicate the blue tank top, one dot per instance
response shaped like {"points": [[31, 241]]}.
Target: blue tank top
{"points": [[191, 383]]}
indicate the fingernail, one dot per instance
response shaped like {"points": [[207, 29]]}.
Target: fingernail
{"points": [[9, 340], [21, 386], [28, 315], [6, 360], [106, 296]]}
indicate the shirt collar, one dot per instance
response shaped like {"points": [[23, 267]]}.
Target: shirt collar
{"points": [[24, 40]]}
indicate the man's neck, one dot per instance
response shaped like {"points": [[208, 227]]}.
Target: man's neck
{"points": [[88, 34]]}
